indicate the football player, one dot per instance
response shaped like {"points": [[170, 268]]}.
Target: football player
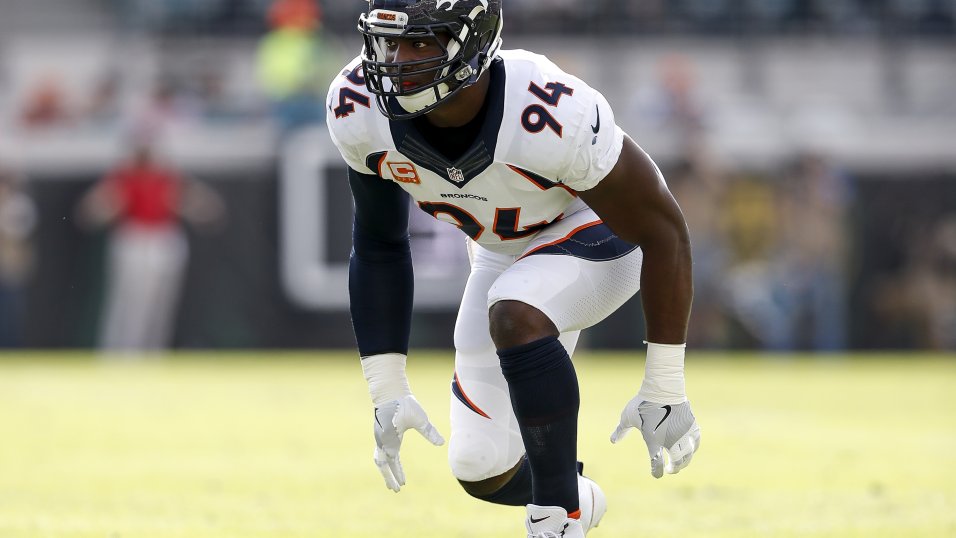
{"points": [[566, 218]]}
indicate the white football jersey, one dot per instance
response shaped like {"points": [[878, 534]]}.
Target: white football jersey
{"points": [[546, 135]]}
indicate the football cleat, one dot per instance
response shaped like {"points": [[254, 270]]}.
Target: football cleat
{"points": [[593, 504], [551, 522]]}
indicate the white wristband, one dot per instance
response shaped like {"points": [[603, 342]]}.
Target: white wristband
{"points": [[386, 379], [664, 374]]}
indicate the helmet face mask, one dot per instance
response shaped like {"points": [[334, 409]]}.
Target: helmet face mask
{"points": [[401, 79], [467, 34]]}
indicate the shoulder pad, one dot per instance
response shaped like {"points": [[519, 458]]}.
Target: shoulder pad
{"points": [[566, 128], [352, 117]]}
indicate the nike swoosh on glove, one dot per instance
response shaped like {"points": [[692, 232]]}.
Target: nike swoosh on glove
{"points": [[670, 431]]}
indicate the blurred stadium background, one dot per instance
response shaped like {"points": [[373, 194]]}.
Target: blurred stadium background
{"points": [[812, 144]]}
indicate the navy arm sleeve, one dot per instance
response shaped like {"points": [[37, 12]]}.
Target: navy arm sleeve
{"points": [[381, 281]]}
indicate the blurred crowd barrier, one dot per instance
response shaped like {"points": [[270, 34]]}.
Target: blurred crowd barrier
{"points": [[717, 17], [810, 145]]}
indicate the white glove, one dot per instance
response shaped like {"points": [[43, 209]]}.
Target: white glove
{"points": [[392, 419], [670, 431]]}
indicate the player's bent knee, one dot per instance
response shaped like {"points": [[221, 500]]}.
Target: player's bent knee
{"points": [[473, 457], [513, 323]]}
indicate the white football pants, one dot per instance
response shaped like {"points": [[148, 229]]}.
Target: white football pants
{"points": [[575, 293]]}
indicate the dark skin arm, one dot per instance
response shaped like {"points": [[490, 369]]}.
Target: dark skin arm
{"points": [[636, 204]]}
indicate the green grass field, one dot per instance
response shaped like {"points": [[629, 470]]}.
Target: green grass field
{"points": [[279, 445]]}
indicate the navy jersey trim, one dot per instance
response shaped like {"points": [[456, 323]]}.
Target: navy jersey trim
{"points": [[593, 241], [374, 162], [477, 158]]}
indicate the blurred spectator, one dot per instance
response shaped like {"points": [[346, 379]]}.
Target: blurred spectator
{"points": [[920, 301], [787, 278], [103, 106], [166, 106], [212, 94], [18, 217], [672, 104], [289, 61], [814, 201], [751, 225], [45, 104], [645, 12], [148, 248]]}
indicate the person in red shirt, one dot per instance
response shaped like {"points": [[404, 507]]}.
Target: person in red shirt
{"points": [[146, 203]]}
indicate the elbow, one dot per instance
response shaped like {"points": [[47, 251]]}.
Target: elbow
{"points": [[670, 237], [376, 249]]}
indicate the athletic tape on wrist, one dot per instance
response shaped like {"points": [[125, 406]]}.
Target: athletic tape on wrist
{"points": [[664, 374], [386, 379]]}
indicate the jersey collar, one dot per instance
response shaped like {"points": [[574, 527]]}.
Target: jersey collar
{"points": [[410, 142]]}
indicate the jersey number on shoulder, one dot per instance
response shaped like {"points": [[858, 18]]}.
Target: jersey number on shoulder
{"points": [[506, 220], [535, 117], [348, 97]]}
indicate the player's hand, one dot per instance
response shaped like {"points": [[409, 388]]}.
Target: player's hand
{"points": [[670, 431], [391, 421]]}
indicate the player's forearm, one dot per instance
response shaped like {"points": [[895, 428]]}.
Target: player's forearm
{"points": [[381, 289], [667, 288]]}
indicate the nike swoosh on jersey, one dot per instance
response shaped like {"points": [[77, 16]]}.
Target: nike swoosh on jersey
{"points": [[597, 127], [667, 413]]}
